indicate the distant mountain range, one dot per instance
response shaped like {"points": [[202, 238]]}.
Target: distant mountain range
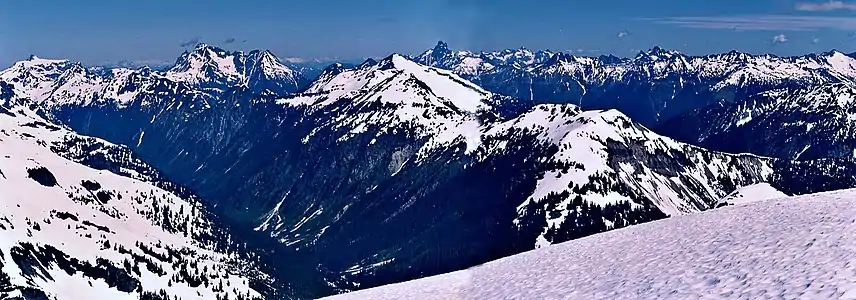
{"points": [[653, 86], [404, 167]]}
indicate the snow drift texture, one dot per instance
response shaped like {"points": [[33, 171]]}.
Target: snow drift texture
{"points": [[790, 248]]}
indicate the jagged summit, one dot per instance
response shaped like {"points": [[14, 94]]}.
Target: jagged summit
{"points": [[213, 67], [368, 62], [393, 74], [657, 53], [636, 85], [441, 47], [205, 69]]}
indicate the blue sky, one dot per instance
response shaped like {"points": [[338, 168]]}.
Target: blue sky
{"points": [[96, 31]]}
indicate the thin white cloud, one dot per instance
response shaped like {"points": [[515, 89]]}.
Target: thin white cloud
{"points": [[622, 34], [825, 6], [294, 60], [778, 39], [815, 41], [761, 22]]}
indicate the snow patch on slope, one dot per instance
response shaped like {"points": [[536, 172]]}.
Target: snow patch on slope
{"points": [[752, 193]]}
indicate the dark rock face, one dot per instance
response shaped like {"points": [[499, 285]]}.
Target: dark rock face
{"points": [[90, 185], [42, 175], [31, 260]]}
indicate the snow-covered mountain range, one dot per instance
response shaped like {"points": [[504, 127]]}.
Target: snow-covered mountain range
{"points": [[788, 248], [418, 170], [205, 71], [652, 86]]}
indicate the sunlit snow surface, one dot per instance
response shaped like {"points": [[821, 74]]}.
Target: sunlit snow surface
{"points": [[791, 248], [752, 193]]}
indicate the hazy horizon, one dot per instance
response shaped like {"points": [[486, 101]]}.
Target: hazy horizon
{"points": [[99, 31]]}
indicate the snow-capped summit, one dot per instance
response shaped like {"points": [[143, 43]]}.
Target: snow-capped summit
{"points": [[34, 77], [212, 67], [653, 86], [521, 57], [467, 63], [207, 64], [403, 93], [262, 70], [462, 62], [396, 74], [159, 65], [657, 53]]}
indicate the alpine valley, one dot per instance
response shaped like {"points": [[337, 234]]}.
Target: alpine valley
{"points": [[234, 175]]}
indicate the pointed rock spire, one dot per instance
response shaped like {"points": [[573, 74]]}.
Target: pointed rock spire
{"points": [[441, 47]]}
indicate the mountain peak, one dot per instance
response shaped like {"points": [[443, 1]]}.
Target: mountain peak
{"points": [[560, 57], [367, 62], [441, 47], [202, 46], [833, 52], [657, 52], [207, 52], [393, 61], [263, 57]]}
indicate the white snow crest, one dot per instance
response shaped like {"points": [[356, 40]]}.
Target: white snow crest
{"points": [[752, 193], [413, 99]]}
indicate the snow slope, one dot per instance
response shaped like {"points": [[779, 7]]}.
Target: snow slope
{"points": [[68, 231], [397, 93], [791, 248], [752, 193]]}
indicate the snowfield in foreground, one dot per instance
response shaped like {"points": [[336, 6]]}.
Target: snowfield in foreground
{"points": [[790, 248]]}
